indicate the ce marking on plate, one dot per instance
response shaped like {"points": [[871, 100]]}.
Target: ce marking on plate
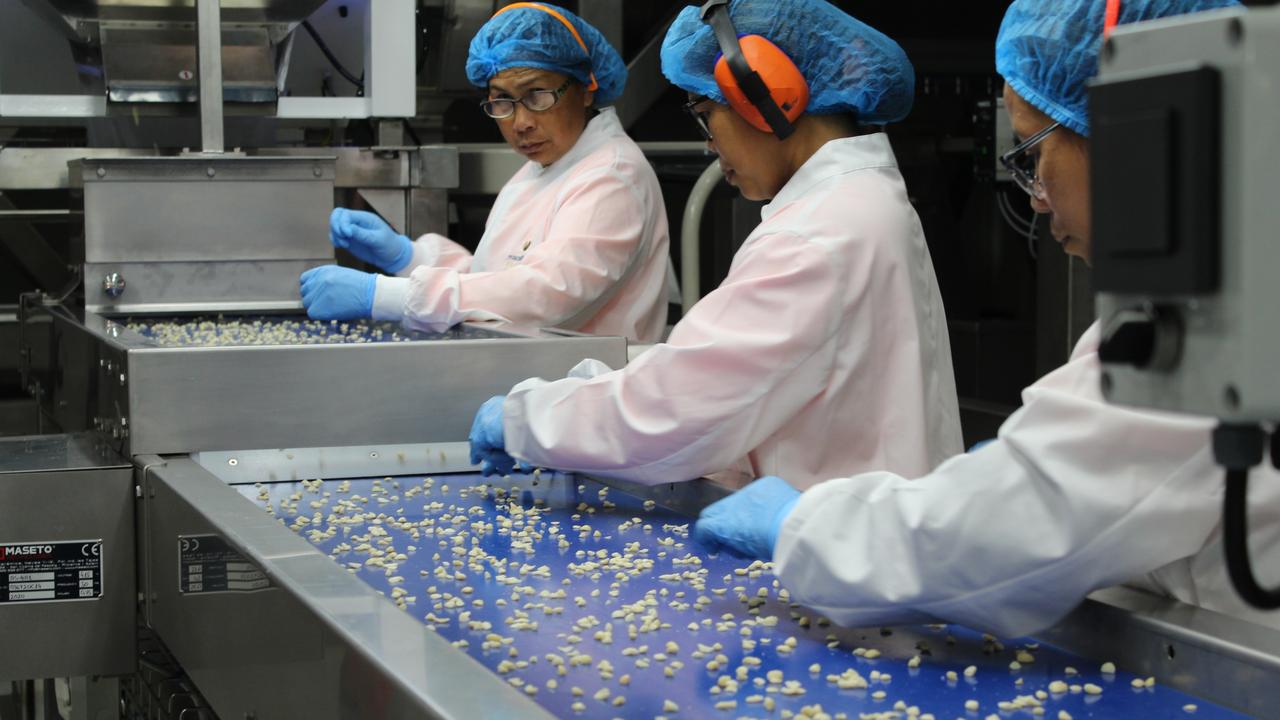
{"points": [[91, 549], [190, 544]]}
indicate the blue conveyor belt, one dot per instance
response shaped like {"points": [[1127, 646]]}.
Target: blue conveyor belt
{"points": [[478, 518]]}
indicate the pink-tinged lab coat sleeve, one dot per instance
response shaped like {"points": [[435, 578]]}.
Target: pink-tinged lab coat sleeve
{"points": [[1075, 495], [706, 397], [592, 242], [823, 353], [438, 251]]}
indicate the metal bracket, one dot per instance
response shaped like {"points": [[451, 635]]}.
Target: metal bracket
{"points": [[143, 464], [72, 285], [24, 352], [390, 204]]}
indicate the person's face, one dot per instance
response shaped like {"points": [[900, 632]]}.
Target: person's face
{"points": [[752, 160], [546, 136], [1062, 164]]}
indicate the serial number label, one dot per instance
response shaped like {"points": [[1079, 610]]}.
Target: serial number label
{"points": [[43, 571], [207, 564]]}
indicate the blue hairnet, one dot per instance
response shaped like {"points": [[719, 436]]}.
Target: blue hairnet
{"points": [[850, 66], [530, 38], [1047, 50]]}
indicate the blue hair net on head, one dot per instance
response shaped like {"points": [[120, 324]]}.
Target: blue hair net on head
{"points": [[1047, 50], [850, 66], [531, 38]]}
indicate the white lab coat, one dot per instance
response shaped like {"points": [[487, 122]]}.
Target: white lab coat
{"points": [[581, 244], [1073, 496], [824, 351]]}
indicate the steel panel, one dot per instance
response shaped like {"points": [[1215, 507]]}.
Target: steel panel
{"points": [[152, 399], [390, 79], [64, 488], [148, 67], [1198, 651], [238, 11], [52, 106], [437, 167], [191, 209], [56, 453], [1226, 367], [195, 285], [183, 400], [24, 168]]}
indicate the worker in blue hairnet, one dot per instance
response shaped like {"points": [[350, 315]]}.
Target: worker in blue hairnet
{"points": [[830, 319], [1075, 494], [577, 239]]}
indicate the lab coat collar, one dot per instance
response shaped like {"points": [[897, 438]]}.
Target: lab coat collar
{"points": [[837, 157], [602, 128]]}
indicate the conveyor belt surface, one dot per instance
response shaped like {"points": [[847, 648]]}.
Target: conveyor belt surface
{"points": [[227, 331], [544, 581]]}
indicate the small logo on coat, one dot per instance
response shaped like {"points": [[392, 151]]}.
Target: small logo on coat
{"points": [[520, 257]]}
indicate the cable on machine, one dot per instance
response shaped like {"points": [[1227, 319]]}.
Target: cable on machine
{"points": [[1239, 447], [333, 59]]}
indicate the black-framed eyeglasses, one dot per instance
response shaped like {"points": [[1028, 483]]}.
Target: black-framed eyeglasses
{"points": [[535, 100], [1022, 165], [699, 116]]}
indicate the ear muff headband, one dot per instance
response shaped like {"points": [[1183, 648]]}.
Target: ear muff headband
{"points": [[565, 21], [1111, 18], [771, 103]]}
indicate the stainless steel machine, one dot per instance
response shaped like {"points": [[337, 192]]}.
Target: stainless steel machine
{"points": [[219, 61], [1185, 274], [1184, 222], [66, 558], [305, 384]]}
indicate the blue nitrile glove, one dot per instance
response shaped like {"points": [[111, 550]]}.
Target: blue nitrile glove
{"points": [[337, 293], [747, 522], [370, 238], [487, 445]]}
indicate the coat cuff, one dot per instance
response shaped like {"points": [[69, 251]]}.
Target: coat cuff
{"points": [[389, 296]]}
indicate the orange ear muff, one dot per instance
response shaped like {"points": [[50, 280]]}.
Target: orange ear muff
{"points": [[786, 84]]}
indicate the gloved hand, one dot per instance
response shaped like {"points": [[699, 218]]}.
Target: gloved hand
{"points": [[370, 238], [487, 444], [330, 292], [747, 522]]}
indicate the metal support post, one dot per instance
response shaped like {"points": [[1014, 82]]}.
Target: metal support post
{"points": [[390, 133], [209, 44], [390, 80]]}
